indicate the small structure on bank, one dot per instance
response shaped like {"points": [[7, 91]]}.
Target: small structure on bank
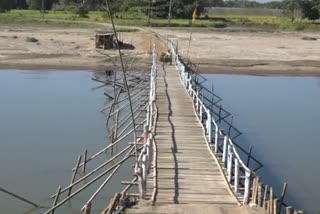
{"points": [[105, 39]]}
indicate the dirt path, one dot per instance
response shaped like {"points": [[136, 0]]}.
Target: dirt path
{"points": [[257, 53]]}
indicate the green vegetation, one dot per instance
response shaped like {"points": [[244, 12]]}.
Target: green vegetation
{"points": [[301, 15]]}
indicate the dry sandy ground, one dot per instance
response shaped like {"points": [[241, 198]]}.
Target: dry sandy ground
{"points": [[64, 49], [284, 53], [259, 53]]}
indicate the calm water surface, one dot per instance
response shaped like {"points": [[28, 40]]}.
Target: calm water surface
{"points": [[47, 119], [280, 117]]}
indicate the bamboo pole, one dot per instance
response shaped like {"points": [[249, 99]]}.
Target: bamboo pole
{"points": [[289, 210], [114, 203], [271, 200], [19, 197], [85, 154], [284, 189], [87, 208], [265, 197], [101, 186], [56, 198], [95, 170], [89, 183], [124, 77], [73, 177]]}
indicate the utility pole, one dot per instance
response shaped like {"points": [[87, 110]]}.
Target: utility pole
{"points": [[169, 15]]}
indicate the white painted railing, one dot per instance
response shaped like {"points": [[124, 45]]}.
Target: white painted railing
{"points": [[238, 175], [147, 153]]}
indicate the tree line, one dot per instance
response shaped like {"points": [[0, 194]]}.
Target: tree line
{"points": [[159, 8]]}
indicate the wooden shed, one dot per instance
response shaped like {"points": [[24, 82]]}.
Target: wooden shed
{"points": [[104, 39]]}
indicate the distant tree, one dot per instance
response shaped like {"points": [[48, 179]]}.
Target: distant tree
{"points": [[293, 8], [21, 4], [310, 10], [213, 3], [6, 5], [37, 4], [184, 8]]}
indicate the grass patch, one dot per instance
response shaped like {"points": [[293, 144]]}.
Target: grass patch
{"points": [[98, 19]]}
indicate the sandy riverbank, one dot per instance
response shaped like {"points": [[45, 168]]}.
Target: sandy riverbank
{"points": [[257, 53]]}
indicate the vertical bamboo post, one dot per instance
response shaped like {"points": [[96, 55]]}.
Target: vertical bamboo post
{"points": [[289, 210], [253, 195], [229, 166], [246, 187], [144, 172], [260, 195], [85, 153], [216, 138], [236, 175], [284, 189], [256, 188], [271, 200], [73, 177], [225, 150], [56, 199], [87, 209], [265, 197], [209, 127], [275, 206]]}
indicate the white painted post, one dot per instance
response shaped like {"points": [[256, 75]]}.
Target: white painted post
{"points": [[200, 113], [144, 172], [229, 166], [216, 139], [225, 152], [246, 188], [209, 126], [236, 175], [148, 117]]}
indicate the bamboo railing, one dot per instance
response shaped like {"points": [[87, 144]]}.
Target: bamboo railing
{"points": [[243, 181]]}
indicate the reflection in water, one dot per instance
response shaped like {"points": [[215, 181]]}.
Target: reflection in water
{"points": [[47, 119], [280, 117]]}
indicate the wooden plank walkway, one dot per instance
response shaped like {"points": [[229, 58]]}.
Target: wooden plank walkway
{"points": [[187, 172]]}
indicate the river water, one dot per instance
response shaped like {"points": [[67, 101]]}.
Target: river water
{"points": [[280, 118], [47, 119]]}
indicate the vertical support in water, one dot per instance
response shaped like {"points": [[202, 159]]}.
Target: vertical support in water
{"points": [[236, 175], [246, 188]]}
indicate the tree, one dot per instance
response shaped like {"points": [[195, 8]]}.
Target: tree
{"points": [[6, 5], [184, 8], [309, 10], [293, 8], [37, 4]]}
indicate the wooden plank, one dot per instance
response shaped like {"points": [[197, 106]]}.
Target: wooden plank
{"points": [[191, 171]]}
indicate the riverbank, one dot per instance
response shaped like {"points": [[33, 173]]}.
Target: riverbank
{"points": [[253, 53]]}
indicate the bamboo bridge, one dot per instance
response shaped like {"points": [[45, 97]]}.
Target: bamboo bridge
{"points": [[184, 160]]}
